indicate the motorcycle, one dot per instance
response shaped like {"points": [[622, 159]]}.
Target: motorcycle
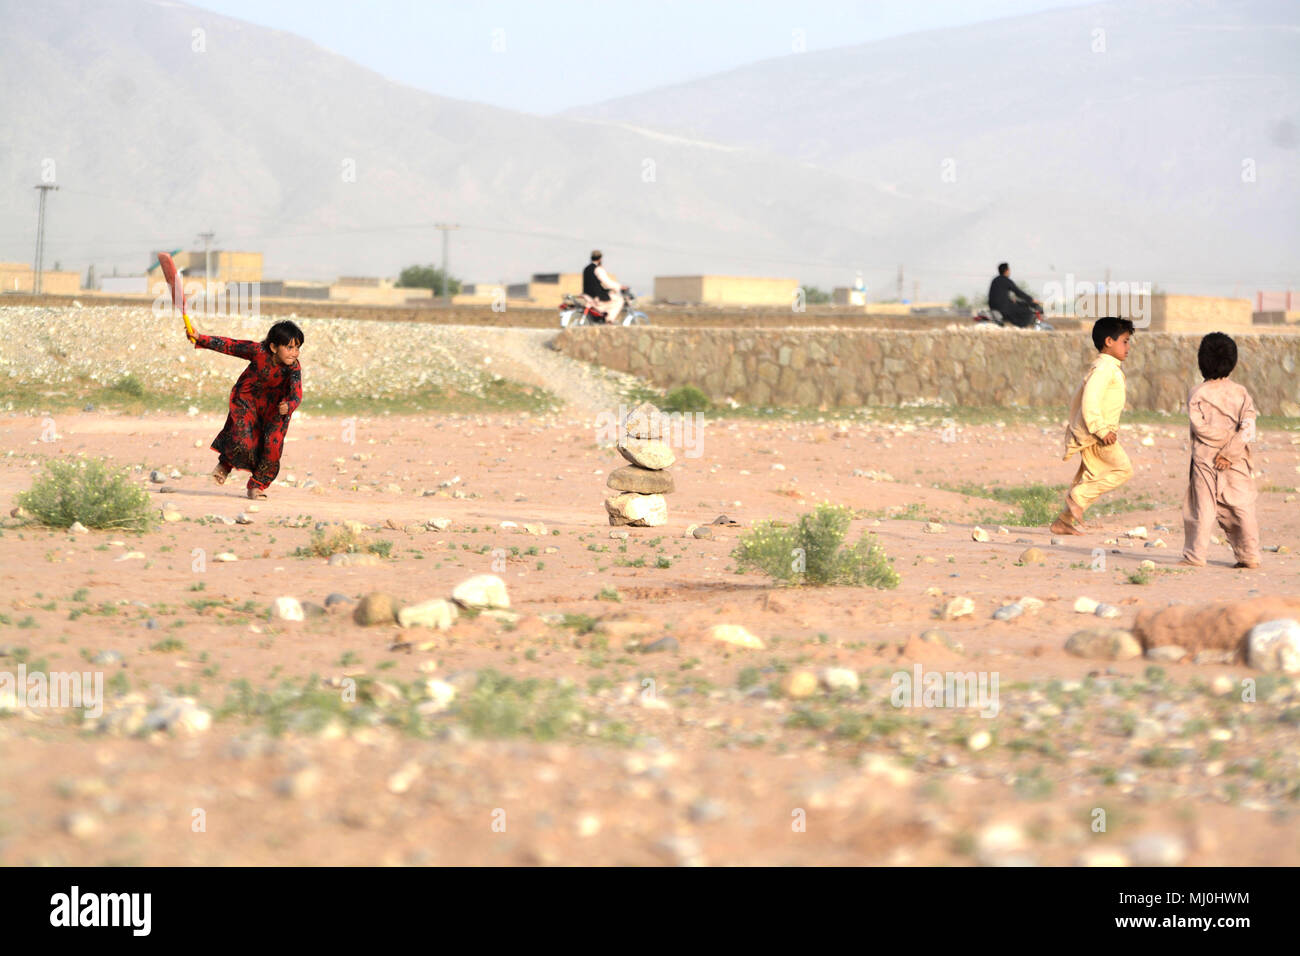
{"points": [[994, 317], [580, 309]]}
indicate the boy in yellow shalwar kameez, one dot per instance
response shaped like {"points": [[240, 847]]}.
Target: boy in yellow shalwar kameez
{"points": [[1093, 432]]}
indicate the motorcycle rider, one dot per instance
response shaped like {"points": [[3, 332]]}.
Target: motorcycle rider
{"points": [[597, 284], [1018, 311]]}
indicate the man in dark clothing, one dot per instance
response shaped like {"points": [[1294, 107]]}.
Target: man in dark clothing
{"points": [[1001, 290], [598, 284]]}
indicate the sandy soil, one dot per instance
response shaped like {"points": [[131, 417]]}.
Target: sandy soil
{"points": [[708, 762]]}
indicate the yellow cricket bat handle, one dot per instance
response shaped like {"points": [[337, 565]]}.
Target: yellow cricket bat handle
{"points": [[189, 329]]}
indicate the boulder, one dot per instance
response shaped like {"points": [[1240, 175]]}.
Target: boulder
{"points": [[1222, 627], [645, 421], [438, 613], [481, 591], [1275, 646], [644, 481], [375, 608], [1103, 644], [645, 511], [648, 453], [287, 609]]}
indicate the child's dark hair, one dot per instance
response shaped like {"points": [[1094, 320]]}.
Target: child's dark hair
{"points": [[1217, 355], [1109, 328], [283, 333]]}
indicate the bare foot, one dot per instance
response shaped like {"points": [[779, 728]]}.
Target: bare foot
{"points": [[256, 493], [1060, 527], [219, 474], [1189, 564], [1243, 564]]}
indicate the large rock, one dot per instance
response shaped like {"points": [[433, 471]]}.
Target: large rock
{"points": [[1275, 646], [1103, 644], [643, 511], [438, 613], [481, 591], [1211, 627], [648, 453], [375, 608], [643, 481]]}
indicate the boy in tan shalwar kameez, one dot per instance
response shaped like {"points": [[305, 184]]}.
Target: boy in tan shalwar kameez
{"points": [[1220, 486], [1093, 432]]}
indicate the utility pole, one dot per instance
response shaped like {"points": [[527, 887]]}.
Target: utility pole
{"points": [[40, 237], [207, 238], [900, 284], [446, 279]]}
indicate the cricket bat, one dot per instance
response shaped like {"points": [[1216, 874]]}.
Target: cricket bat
{"points": [[178, 291]]}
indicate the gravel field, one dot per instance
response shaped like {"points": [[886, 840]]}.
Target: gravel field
{"points": [[341, 358]]}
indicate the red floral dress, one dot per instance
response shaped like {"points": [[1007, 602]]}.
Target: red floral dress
{"points": [[253, 437]]}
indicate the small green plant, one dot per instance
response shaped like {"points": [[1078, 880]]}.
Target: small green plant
{"points": [[686, 398], [129, 385], [813, 552], [1140, 576], [1038, 503], [326, 542], [501, 706], [88, 491]]}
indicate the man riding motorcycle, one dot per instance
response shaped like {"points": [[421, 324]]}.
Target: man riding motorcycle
{"points": [[1019, 310], [597, 284]]}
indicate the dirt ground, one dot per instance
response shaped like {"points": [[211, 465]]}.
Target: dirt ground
{"points": [[567, 743]]}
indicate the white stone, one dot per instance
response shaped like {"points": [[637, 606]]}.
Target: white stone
{"points": [[648, 511], [736, 635], [287, 609], [437, 613], [1275, 646], [482, 590], [1085, 605], [840, 678]]}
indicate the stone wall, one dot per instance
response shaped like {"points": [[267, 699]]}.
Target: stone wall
{"points": [[849, 367]]}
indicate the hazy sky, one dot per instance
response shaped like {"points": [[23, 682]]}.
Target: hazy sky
{"points": [[544, 57]]}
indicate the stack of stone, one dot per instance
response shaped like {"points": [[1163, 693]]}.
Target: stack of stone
{"points": [[640, 486]]}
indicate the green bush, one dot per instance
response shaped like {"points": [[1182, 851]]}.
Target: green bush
{"points": [[813, 552], [88, 491], [686, 398], [128, 385]]}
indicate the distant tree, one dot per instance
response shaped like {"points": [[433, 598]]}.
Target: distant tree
{"points": [[426, 277], [815, 296], [962, 303]]}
